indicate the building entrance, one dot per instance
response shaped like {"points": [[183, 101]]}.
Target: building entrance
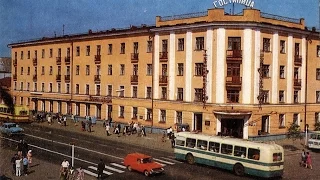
{"points": [[197, 122], [232, 127]]}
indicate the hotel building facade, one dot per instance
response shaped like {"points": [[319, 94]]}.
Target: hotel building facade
{"points": [[246, 75]]}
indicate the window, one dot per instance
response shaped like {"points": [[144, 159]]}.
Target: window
{"points": [[201, 144], [87, 70], [164, 45], [109, 90], [59, 52], [28, 55], [226, 149], [234, 45], [180, 69], [297, 49], [215, 147], [198, 96], [281, 96], [121, 115], [15, 86], [121, 94], [50, 70], [77, 89], [77, 70], [43, 53], [122, 48], [42, 87], [134, 91], [149, 46], [21, 100], [28, 71], [134, 112], [28, 86], [180, 142], [122, 67], [21, 72], [109, 49], [253, 154], [163, 116], [191, 143], [318, 50], [296, 96], [179, 117], [282, 72], [199, 43], [68, 89], [21, 86], [266, 45], [149, 69], [98, 49], [78, 109], [148, 96], [232, 96], [78, 51], [15, 55], [317, 96], [265, 71], [50, 87], [59, 87], [265, 124], [135, 47], [180, 94], [87, 89], [109, 69], [317, 117], [181, 44], [88, 51], [98, 90], [282, 46], [281, 120], [21, 55], [42, 70], [296, 119], [163, 92], [265, 97], [87, 109], [198, 69], [240, 151], [50, 53], [318, 74]]}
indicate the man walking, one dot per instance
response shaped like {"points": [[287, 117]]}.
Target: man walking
{"points": [[108, 129], [25, 165], [13, 162], [101, 167]]}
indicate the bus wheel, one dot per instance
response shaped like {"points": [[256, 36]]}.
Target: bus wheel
{"points": [[190, 159], [238, 169]]}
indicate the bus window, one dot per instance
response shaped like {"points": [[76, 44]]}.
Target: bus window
{"points": [[226, 149], [202, 144], [313, 136], [254, 154], [277, 157], [318, 137], [179, 142], [191, 142], [215, 147], [240, 151]]}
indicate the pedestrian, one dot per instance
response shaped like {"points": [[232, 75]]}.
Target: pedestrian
{"points": [[25, 165], [65, 165], [25, 148], [83, 126], [308, 161], [163, 138], [143, 131], [49, 119], [108, 129], [13, 162], [89, 124], [29, 156], [101, 167], [80, 173], [303, 158], [19, 148], [72, 118], [65, 120], [18, 166], [172, 137]]}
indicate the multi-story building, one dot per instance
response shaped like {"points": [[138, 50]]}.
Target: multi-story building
{"points": [[244, 75]]}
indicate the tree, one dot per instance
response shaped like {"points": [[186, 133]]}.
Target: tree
{"points": [[294, 132], [6, 64], [7, 98]]}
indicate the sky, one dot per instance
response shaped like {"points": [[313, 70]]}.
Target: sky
{"points": [[22, 20]]}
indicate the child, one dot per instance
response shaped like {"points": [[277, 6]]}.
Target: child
{"points": [[308, 162], [29, 156], [18, 166]]}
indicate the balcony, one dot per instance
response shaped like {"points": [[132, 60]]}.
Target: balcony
{"points": [[97, 59], [233, 82], [58, 78], [163, 56], [58, 60], [67, 60], [14, 62], [35, 77], [35, 61], [97, 79], [14, 76], [134, 57], [297, 60], [67, 78], [163, 80], [134, 79], [297, 83], [234, 55]]}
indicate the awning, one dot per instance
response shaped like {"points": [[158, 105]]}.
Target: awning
{"points": [[233, 113]]}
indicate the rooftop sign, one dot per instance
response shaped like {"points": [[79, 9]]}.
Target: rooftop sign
{"points": [[219, 3]]}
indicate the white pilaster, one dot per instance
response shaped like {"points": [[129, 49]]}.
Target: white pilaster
{"points": [[220, 71], [156, 67], [289, 75], [303, 70], [246, 128], [189, 50], [247, 67], [172, 62], [275, 68], [218, 128], [209, 64], [257, 55]]}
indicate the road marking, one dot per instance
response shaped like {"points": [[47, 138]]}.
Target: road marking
{"points": [[167, 162], [105, 172], [114, 169], [90, 173], [118, 165], [171, 160]]}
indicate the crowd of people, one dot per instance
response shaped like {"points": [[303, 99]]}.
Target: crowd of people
{"points": [[306, 159], [129, 129], [67, 172], [22, 159]]}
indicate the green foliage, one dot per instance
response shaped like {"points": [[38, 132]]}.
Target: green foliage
{"points": [[294, 132], [317, 126]]}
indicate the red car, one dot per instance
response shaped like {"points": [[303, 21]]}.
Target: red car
{"points": [[142, 163]]}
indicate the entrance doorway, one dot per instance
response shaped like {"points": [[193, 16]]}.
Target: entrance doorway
{"points": [[232, 127], [197, 122]]}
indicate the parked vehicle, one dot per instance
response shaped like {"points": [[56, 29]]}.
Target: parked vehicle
{"points": [[314, 140], [10, 129], [142, 163]]}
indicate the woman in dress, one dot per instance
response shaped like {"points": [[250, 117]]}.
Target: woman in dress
{"points": [[308, 162]]}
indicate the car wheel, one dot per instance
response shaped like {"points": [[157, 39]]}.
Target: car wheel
{"points": [[129, 168], [238, 169], [190, 159], [146, 173]]}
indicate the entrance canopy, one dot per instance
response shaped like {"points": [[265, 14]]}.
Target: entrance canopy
{"points": [[233, 113]]}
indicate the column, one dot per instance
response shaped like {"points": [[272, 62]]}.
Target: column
{"points": [[247, 67], [275, 68], [172, 62], [188, 80], [156, 67], [289, 68], [257, 55], [209, 63], [221, 61]]}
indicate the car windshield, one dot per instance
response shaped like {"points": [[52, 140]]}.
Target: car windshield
{"points": [[147, 160], [12, 125]]}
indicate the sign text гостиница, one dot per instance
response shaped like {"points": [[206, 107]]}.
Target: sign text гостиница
{"points": [[219, 3]]}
